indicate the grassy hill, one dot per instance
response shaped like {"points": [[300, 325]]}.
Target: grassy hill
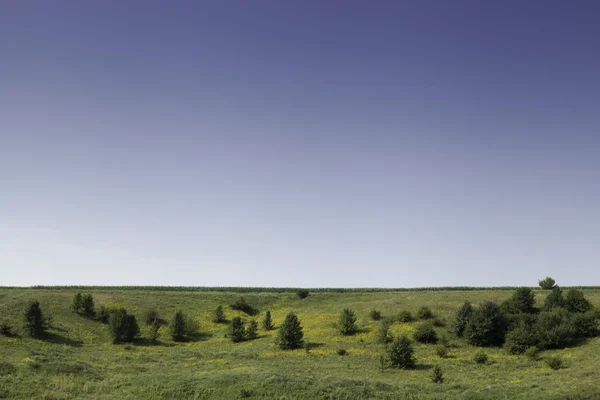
{"points": [[77, 360]]}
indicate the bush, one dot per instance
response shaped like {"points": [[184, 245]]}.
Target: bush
{"points": [[585, 324], [522, 301], [178, 330], [554, 362], [405, 316], [302, 293], [520, 339], [218, 315], [424, 313], [341, 352], [436, 375], [547, 283], [401, 353], [151, 317], [5, 329], [383, 332], [375, 315], [77, 304], [237, 331], [554, 330], [554, 300], [532, 353], [87, 305], [576, 302], [245, 393], [441, 350], [461, 318], [243, 306], [154, 331], [487, 326], [267, 322], [290, 333], [480, 357], [123, 327], [252, 330], [425, 333], [103, 314], [35, 324], [347, 322]]}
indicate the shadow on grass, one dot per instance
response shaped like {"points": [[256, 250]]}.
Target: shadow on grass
{"points": [[312, 345], [422, 367], [59, 339], [144, 342]]}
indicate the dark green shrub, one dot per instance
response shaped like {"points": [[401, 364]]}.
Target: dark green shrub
{"points": [[585, 324], [405, 316], [252, 330], [522, 301], [87, 305], [382, 334], [103, 314], [245, 393], [424, 313], [341, 352], [154, 331], [441, 350], [554, 329], [424, 333], [290, 333], [6, 329], [547, 283], [77, 304], [237, 331], [347, 322], [480, 357], [243, 306], [436, 375], [532, 353], [218, 315], [151, 317], [554, 300], [401, 353], [461, 318], [487, 326], [192, 327], [302, 293], [123, 327], [34, 322], [178, 330], [576, 302], [267, 322], [519, 339], [554, 362], [375, 315]]}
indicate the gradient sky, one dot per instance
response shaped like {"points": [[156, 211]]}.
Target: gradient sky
{"points": [[299, 143]]}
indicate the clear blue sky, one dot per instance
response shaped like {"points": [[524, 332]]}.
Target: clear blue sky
{"points": [[299, 143]]}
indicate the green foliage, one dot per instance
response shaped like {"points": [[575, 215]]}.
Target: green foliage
{"points": [[547, 283], [252, 330], [480, 357], [401, 353], [576, 302], [178, 329], [237, 331], [424, 313], [87, 305], [383, 332], [375, 315], [436, 375], [441, 350], [461, 318], [267, 322], [6, 329], [34, 322], [554, 329], [554, 300], [245, 393], [522, 301], [424, 333], [302, 293], [585, 324], [151, 317], [487, 326], [554, 362], [218, 315], [77, 303], [290, 333], [405, 316], [154, 331], [103, 314], [341, 352], [243, 306], [123, 327], [347, 322], [532, 353], [519, 339]]}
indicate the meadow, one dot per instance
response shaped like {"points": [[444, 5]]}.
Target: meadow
{"points": [[77, 359]]}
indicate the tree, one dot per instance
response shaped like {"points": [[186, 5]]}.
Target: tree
{"points": [[302, 293], [425, 333], [576, 302], [77, 303], [487, 326], [87, 305], [424, 313], [267, 322], [383, 331], [152, 317], [547, 283], [290, 333], [554, 329], [461, 318], [252, 330], [154, 330], [178, 330], [554, 300], [35, 324], [522, 301], [123, 327], [237, 333], [401, 353], [219, 315], [347, 322]]}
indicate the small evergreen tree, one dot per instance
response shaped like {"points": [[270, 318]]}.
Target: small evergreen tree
{"points": [[425, 333], [487, 326], [237, 333], [461, 318], [290, 333], [547, 283], [375, 315], [436, 375], [35, 324], [219, 315], [347, 322], [178, 330], [77, 304], [522, 301], [152, 317], [383, 332], [123, 327], [401, 353], [267, 322], [424, 313], [154, 331], [554, 300], [405, 316], [302, 293], [252, 330], [576, 302], [87, 305], [554, 329]]}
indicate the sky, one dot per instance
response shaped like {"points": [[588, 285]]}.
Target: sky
{"points": [[299, 143]]}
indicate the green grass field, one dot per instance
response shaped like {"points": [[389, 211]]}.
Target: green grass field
{"points": [[78, 361]]}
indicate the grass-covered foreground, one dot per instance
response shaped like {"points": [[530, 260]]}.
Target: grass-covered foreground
{"points": [[77, 360]]}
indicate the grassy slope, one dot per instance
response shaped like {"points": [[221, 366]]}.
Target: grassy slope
{"points": [[78, 361]]}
